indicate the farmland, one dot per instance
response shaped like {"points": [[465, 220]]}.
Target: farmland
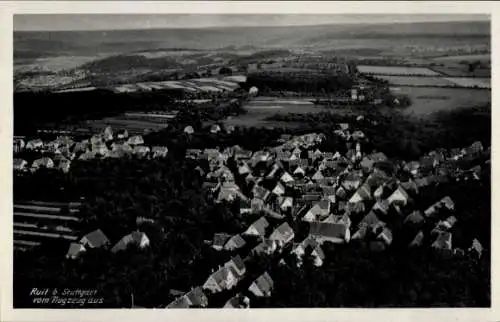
{"points": [[259, 109], [396, 70], [134, 123], [467, 82], [470, 82], [429, 100]]}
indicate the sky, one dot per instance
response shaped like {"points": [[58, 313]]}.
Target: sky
{"points": [[53, 22]]}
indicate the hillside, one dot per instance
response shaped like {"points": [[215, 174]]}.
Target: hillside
{"points": [[43, 44]]}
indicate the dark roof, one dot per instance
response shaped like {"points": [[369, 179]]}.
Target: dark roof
{"points": [[237, 240], [179, 303], [415, 218], [220, 239], [369, 220], [260, 225], [327, 229], [238, 263], [264, 283], [197, 297], [97, 238]]}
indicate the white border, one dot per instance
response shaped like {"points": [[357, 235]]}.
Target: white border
{"points": [[7, 9]]}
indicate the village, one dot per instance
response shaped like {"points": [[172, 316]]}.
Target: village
{"points": [[302, 198]]}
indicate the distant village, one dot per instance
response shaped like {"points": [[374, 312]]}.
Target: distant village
{"points": [[294, 182]]}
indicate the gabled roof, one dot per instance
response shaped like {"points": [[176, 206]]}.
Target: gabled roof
{"points": [[237, 241], [197, 297], [181, 302], [96, 238], [75, 249], [415, 218], [327, 229], [236, 263], [443, 241], [370, 219], [220, 239], [418, 240], [265, 283], [283, 232], [135, 237], [260, 225]]}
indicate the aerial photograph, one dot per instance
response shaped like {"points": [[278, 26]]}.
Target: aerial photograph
{"points": [[165, 161]]}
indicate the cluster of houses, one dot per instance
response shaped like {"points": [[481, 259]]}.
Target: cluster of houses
{"points": [[97, 239], [59, 153], [342, 197]]}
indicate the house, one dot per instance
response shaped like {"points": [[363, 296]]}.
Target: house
{"points": [[343, 126], [75, 249], [370, 220], [18, 145], [410, 187], [140, 151], [362, 194], [229, 128], [413, 167], [317, 176], [237, 302], [100, 148], [285, 203], [223, 279], [257, 228], [196, 297], [188, 130], [328, 231], [319, 210], [121, 134], [52, 146], [181, 302], [235, 242], [266, 247], [20, 164], [283, 234], [243, 169], [137, 238], [385, 236], [245, 206], [367, 164], [257, 205], [159, 151], [360, 234], [262, 286], [299, 249], [279, 189], [443, 242], [64, 165], [35, 144], [87, 156], [237, 265], [220, 240], [381, 207], [214, 129], [96, 139], [418, 240], [400, 196], [108, 134], [476, 247], [474, 149], [415, 219], [44, 162], [352, 181], [95, 239], [260, 192], [299, 172], [228, 192], [286, 178]]}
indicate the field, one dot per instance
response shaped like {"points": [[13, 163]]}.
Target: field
{"points": [[470, 82], [429, 100], [396, 70], [456, 59], [416, 80], [437, 81], [132, 123], [262, 107], [229, 83]]}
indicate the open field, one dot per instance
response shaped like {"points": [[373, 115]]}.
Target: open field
{"points": [[134, 124], [262, 107], [416, 80], [459, 58], [470, 82], [467, 82], [396, 70], [429, 100]]}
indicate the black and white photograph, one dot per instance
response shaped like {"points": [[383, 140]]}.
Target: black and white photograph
{"points": [[241, 161]]}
